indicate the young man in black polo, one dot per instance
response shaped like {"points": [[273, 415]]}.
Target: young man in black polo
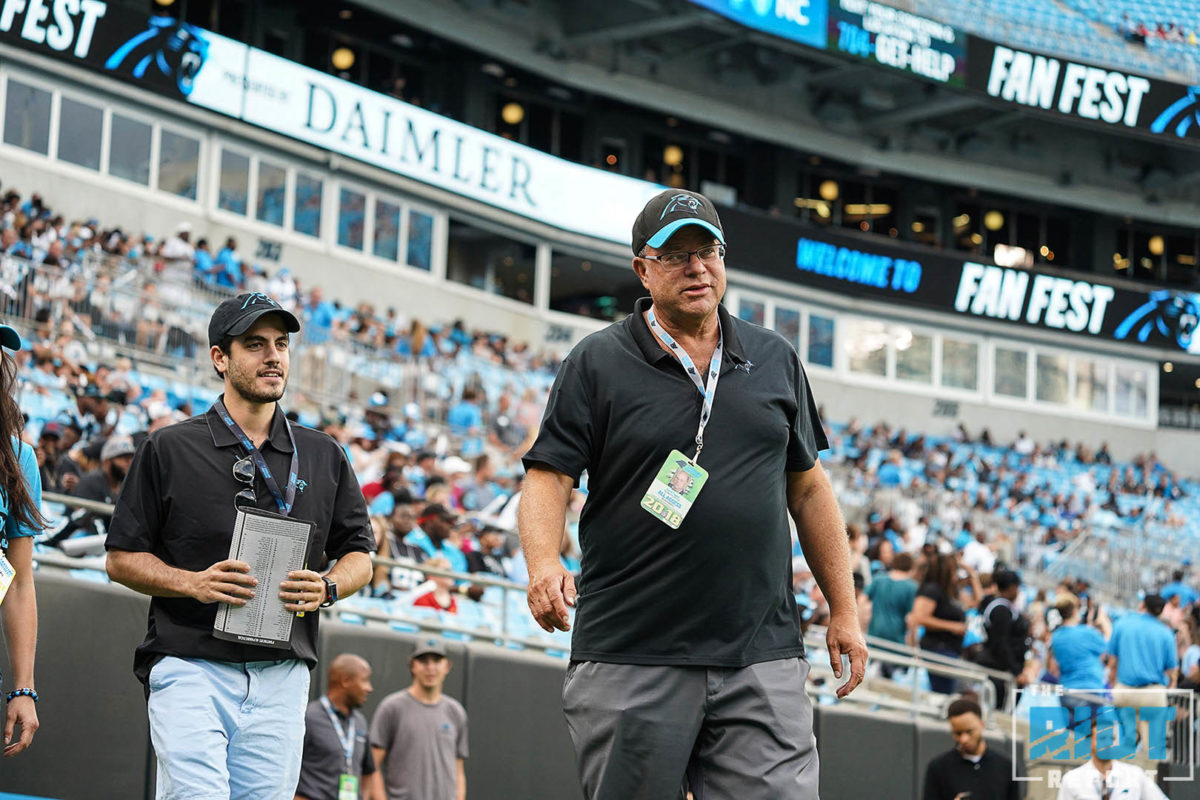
{"points": [[700, 436], [227, 718], [971, 769]]}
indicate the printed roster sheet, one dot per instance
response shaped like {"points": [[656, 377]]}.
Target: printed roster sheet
{"points": [[273, 546]]}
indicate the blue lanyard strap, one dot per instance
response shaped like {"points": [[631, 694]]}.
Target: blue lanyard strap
{"points": [[714, 373], [345, 738], [285, 503]]}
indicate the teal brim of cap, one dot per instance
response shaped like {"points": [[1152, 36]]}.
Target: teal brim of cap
{"points": [[10, 338], [666, 231]]}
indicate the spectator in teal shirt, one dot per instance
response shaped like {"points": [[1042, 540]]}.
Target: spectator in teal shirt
{"points": [[892, 595]]}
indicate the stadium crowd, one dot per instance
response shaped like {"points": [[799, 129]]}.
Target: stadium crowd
{"points": [[935, 544]]}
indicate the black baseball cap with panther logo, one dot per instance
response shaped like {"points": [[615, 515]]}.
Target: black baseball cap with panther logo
{"points": [[671, 210], [234, 316]]}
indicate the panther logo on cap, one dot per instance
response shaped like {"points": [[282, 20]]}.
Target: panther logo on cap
{"points": [[681, 202], [255, 298]]}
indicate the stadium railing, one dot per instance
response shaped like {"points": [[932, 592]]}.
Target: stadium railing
{"points": [[507, 623]]}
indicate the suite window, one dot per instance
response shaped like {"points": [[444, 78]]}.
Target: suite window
{"points": [[1091, 385], [79, 130], [129, 150], [27, 117], [490, 262], [866, 346], [820, 340], [234, 188], [1132, 392], [352, 215], [306, 212], [960, 364], [1051, 378], [914, 356], [787, 325], [591, 288], [387, 230], [752, 311], [178, 164], [271, 193], [1011, 377], [420, 240]]}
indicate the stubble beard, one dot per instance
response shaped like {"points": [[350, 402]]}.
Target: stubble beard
{"points": [[245, 385]]}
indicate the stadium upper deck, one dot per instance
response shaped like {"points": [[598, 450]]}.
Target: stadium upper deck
{"points": [[469, 214]]}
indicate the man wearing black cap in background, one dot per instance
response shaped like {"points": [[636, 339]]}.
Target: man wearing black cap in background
{"points": [[686, 656], [227, 718]]}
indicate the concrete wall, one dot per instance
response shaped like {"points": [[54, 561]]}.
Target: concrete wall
{"points": [[94, 739]]}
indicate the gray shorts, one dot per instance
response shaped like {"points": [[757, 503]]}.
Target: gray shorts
{"points": [[650, 733]]}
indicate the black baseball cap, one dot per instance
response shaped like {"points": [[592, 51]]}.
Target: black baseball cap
{"points": [[9, 337], [671, 210], [234, 316]]}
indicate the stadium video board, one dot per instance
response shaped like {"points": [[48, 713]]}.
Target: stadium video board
{"points": [[210, 71], [1063, 87], [1059, 302], [898, 39], [802, 21]]}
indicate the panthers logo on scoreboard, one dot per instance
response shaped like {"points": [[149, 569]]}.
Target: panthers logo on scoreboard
{"points": [[175, 49], [1181, 116], [1172, 315]]}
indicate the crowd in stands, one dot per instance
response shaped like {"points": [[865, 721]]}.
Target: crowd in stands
{"points": [[935, 553], [1142, 31]]}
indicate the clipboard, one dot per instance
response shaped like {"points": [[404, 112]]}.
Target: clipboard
{"points": [[273, 545]]}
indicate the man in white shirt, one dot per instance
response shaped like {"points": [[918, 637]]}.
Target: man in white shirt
{"points": [[1102, 779]]}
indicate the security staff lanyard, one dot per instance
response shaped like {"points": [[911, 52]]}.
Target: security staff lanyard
{"points": [[714, 374], [345, 737], [285, 502]]}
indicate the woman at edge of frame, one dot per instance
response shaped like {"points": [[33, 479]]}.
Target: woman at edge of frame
{"points": [[20, 505]]}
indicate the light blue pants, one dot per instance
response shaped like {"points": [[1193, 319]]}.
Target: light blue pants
{"points": [[227, 731]]}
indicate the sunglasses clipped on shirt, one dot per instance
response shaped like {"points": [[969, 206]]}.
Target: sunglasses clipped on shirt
{"points": [[678, 259], [243, 472]]}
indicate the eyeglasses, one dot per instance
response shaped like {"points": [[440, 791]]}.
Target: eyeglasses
{"points": [[678, 259], [243, 472]]}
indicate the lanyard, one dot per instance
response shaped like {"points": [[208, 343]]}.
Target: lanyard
{"points": [[346, 738], [714, 373], [285, 503]]}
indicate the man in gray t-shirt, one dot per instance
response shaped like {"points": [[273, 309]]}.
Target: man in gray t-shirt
{"points": [[419, 735]]}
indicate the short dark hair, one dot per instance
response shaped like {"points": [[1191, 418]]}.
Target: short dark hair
{"points": [[1005, 579], [963, 705], [902, 562], [1154, 604]]}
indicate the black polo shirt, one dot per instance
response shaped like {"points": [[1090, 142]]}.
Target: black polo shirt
{"points": [[990, 778], [718, 591], [177, 503]]}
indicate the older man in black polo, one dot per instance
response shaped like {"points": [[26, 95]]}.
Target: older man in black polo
{"points": [[686, 656], [227, 717]]}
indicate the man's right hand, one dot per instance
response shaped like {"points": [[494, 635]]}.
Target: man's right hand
{"points": [[551, 591], [226, 581]]}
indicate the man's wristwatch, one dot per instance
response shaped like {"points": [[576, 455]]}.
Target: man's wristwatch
{"points": [[331, 595]]}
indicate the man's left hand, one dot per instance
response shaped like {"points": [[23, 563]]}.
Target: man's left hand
{"points": [[302, 591], [844, 637]]}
